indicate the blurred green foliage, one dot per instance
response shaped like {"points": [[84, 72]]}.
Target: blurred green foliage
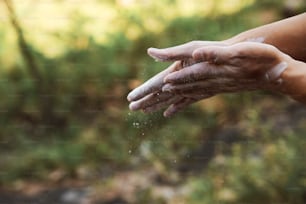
{"points": [[92, 54]]}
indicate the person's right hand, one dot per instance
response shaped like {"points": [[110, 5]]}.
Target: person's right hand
{"points": [[220, 69]]}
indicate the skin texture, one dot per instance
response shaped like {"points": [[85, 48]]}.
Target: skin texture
{"points": [[261, 58], [287, 35]]}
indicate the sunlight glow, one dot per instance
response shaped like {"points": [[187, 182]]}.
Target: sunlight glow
{"points": [[49, 23]]}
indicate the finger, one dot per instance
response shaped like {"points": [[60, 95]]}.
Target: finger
{"points": [[202, 70], [179, 52], [213, 54], [162, 104], [276, 71], [268, 57], [150, 100], [256, 39], [152, 85], [254, 50], [236, 54], [200, 85], [208, 84], [197, 96], [214, 86], [174, 108]]}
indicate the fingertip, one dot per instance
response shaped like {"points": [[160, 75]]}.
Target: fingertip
{"points": [[204, 53], [180, 76], [197, 54], [133, 106], [132, 96], [151, 50], [167, 114], [167, 88], [137, 93], [156, 54], [212, 54], [170, 111], [129, 97], [169, 78], [166, 79]]}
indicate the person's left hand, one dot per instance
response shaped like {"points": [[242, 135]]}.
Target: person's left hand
{"points": [[241, 67], [244, 66]]}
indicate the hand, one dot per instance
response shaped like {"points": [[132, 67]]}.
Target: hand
{"points": [[241, 67], [149, 96], [220, 69]]}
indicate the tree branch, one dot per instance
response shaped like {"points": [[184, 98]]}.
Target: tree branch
{"points": [[23, 46]]}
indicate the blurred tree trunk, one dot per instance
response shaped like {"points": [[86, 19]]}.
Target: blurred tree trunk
{"points": [[23, 46], [45, 103]]}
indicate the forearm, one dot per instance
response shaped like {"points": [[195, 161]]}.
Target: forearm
{"points": [[288, 35]]}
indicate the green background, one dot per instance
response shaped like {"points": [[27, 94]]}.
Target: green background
{"points": [[64, 118]]}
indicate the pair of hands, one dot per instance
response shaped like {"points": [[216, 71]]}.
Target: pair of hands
{"points": [[202, 69]]}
